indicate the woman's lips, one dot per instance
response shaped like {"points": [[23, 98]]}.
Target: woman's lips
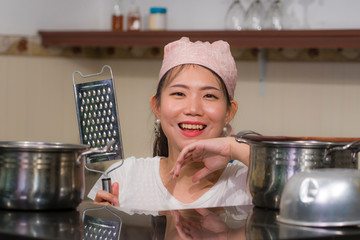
{"points": [[191, 129]]}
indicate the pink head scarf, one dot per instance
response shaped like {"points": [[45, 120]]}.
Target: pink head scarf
{"points": [[215, 56]]}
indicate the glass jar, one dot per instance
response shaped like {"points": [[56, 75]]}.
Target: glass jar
{"points": [[157, 20], [133, 18]]}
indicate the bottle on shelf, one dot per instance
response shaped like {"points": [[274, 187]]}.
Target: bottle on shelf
{"points": [[118, 16]]}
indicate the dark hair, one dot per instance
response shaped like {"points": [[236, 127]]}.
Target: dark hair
{"points": [[160, 147]]}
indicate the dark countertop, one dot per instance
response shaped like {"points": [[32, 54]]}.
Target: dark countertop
{"points": [[90, 220]]}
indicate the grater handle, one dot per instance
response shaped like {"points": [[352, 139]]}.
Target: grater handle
{"points": [[106, 184], [93, 75]]}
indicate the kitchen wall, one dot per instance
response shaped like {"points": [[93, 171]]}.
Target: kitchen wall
{"points": [[27, 17], [301, 98]]}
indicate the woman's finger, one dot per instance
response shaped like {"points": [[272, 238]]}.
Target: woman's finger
{"points": [[182, 233], [115, 192], [102, 196], [176, 215], [203, 211], [184, 154], [177, 170]]}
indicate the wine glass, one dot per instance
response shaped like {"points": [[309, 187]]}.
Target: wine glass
{"points": [[274, 16], [234, 19], [254, 16], [306, 4]]}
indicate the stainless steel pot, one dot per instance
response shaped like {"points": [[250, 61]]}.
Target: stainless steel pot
{"points": [[38, 175], [274, 160]]}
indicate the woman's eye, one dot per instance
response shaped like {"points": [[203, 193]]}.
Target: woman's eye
{"points": [[210, 96], [177, 94]]}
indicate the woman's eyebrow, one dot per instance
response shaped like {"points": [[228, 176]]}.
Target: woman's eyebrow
{"points": [[210, 88], [178, 85], [202, 88]]}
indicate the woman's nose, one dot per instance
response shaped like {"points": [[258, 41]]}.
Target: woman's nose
{"points": [[193, 106]]}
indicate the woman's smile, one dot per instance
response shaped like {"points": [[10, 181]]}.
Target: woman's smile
{"points": [[191, 129]]}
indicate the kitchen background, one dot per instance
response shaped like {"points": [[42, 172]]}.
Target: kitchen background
{"points": [[301, 98]]}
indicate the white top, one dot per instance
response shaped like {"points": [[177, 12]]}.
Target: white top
{"points": [[141, 188]]}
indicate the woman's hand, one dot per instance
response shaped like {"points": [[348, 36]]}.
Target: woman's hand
{"points": [[106, 198], [215, 153], [209, 226]]}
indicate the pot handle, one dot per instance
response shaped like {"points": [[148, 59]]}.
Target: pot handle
{"points": [[343, 148], [239, 135]]}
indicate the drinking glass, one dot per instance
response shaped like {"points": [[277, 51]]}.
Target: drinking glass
{"points": [[274, 16], [234, 19], [254, 16]]}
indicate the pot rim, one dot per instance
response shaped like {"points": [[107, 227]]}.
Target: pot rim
{"points": [[30, 145], [285, 141]]}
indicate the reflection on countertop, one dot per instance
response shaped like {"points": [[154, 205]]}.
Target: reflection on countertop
{"points": [[90, 220]]}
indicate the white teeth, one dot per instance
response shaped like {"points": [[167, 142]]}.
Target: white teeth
{"points": [[192, 126]]}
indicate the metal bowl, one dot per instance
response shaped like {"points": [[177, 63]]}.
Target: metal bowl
{"points": [[322, 198]]}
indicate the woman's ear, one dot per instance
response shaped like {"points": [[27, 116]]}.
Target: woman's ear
{"points": [[231, 111], [155, 106]]}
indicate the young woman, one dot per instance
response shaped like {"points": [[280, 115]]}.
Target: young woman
{"points": [[192, 166]]}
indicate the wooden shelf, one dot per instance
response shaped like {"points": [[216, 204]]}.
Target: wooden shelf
{"points": [[241, 39]]}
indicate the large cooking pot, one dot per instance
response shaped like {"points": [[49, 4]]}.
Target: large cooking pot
{"points": [[274, 160], [38, 175]]}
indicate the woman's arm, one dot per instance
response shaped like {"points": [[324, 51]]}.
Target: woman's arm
{"points": [[215, 153]]}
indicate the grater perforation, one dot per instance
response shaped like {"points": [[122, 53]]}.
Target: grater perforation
{"points": [[96, 227]]}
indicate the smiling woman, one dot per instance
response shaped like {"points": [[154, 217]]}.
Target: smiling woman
{"points": [[193, 106]]}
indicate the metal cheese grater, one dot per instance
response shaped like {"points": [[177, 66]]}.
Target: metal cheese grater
{"points": [[98, 115], [98, 121], [96, 227]]}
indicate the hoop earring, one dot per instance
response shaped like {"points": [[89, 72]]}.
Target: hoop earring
{"points": [[157, 127]]}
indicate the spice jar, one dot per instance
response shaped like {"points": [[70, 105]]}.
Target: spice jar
{"points": [[157, 19], [133, 18]]}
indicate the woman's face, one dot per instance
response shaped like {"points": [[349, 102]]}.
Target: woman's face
{"points": [[193, 106]]}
